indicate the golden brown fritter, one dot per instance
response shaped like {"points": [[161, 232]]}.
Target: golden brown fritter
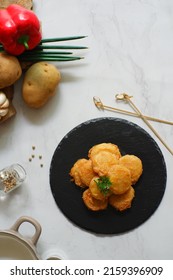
{"points": [[123, 201], [96, 192], [108, 147], [92, 203], [103, 161], [82, 172], [120, 179], [134, 164], [109, 177]]}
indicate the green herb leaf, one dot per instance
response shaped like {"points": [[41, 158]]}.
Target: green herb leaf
{"points": [[103, 184]]}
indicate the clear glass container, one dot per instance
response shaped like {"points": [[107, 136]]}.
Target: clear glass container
{"points": [[11, 177]]}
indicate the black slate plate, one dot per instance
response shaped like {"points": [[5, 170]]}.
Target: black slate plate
{"points": [[131, 139]]}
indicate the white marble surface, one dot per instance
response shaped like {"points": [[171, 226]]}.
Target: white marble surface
{"points": [[130, 50]]}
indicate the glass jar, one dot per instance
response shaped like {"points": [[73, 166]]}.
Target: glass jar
{"points": [[11, 177]]}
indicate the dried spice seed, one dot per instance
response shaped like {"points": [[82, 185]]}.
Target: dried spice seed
{"points": [[11, 177], [9, 180], [34, 156]]}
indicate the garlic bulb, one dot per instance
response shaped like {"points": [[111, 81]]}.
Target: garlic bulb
{"points": [[4, 105]]}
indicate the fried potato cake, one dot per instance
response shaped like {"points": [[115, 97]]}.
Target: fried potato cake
{"points": [[96, 192], [120, 179], [134, 164], [109, 147], [92, 203], [103, 161], [109, 177], [82, 172], [123, 201]]}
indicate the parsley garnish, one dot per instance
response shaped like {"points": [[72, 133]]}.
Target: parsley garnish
{"points": [[103, 184]]}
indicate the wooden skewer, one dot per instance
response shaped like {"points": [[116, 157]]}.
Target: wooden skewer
{"points": [[126, 97], [100, 105]]}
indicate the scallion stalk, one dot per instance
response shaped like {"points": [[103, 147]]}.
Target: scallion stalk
{"points": [[45, 52], [52, 53], [49, 58], [40, 47], [49, 40]]}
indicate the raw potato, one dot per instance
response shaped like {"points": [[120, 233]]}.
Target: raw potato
{"points": [[40, 82], [10, 70], [25, 3]]}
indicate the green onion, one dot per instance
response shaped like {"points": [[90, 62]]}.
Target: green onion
{"points": [[38, 53], [49, 58], [62, 39], [58, 47], [44, 52]]}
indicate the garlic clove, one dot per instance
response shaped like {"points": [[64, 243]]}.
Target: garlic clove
{"points": [[5, 104], [2, 98], [3, 112]]}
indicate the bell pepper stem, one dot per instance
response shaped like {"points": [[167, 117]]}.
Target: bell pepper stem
{"points": [[24, 41], [26, 45]]}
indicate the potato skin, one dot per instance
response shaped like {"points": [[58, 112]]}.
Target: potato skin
{"points": [[10, 70], [39, 84]]}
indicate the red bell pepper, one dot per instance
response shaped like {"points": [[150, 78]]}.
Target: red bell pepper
{"points": [[19, 29]]}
